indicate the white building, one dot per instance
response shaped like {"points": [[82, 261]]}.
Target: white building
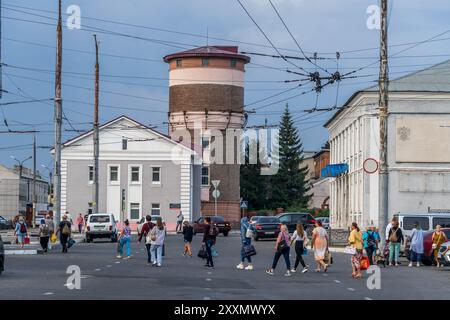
{"points": [[418, 148]]}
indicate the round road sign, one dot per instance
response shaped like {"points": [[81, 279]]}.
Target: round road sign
{"points": [[370, 165]]}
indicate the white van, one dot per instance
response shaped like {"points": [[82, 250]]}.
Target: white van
{"points": [[427, 221], [101, 225]]}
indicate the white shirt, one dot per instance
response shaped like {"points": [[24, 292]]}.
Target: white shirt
{"points": [[388, 228], [297, 237]]}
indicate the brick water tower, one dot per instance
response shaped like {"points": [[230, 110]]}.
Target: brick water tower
{"points": [[207, 87]]}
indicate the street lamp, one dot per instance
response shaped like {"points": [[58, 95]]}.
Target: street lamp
{"points": [[50, 174], [20, 163]]}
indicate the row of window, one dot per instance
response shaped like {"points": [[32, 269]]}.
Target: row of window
{"points": [[135, 210], [205, 63], [135, 175]]}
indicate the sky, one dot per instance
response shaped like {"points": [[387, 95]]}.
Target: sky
{"points": [[134, 35]]}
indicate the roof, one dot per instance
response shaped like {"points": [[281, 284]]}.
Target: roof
{"points": [[434, 79], [209, 51]]}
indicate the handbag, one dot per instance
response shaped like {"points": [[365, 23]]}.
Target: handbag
{"points": [[249, 233], [365, 263], [328, 259], [281, 245], [305, 251], [26, 240], [70, 243], [53, 238], [350, 250], [249, 250], [202, 253]]}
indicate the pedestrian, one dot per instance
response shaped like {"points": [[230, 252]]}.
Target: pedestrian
{"points": [[146, 228], [125, 241], [188, 234], [282, 248], [180, 219], [21, 231], [355, 240], [157, 237], [319, 244], [389, 227], [371, 241], [80, 222], [438, 238], [64, 230], [44, 235], [416, 247], [210, 233], [300, 241], [51, 229], [395, 241], [246, 240]]}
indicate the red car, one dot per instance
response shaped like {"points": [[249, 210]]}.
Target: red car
{"points": [[428, 255], [218, 221]]}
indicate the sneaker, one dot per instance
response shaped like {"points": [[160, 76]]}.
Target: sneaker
{"points": [[410, 264], [391, 264], [249, 267], [396, 264], [206, 265], [119, 257], [153, 264], [305, 269], [240, 266], [158, 265], [270, 271], [288, 274], [293, 270], [418, 264], [211, 267]]}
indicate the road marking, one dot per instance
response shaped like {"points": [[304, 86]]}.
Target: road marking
{"points": [[84, 277], [117, 262], [137, 252], [208, 279], [208, 289], [48, 293], [337, 281], [367, 298], [350, 289], [324, 274], [209, 272], [98, 269], [206, 298], [108, 266]]}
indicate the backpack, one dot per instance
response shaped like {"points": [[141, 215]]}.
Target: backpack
{"points": [[393, 237], [45, 230], [213, 231], [23, 228], [371, 240], [66, 229]]}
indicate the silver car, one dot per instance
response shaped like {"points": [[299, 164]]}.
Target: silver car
{"points": [[325, 222]]}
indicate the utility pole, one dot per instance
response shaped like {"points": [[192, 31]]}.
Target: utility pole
{"points": [[34, 181], [383, 113], [58, 121], [96, 133]]}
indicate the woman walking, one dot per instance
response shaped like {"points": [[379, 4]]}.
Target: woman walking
{"points": [[438, 239], [245, 241], [125, 240], [319, 244], [157, 237], [371, 240], [188, 234], [356, 241], [395, 241], [21, 231], [282, 248], [416, 248], [301, 240], [44, 235]]}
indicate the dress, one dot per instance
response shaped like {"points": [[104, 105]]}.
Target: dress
{"points": [[320, 243]]}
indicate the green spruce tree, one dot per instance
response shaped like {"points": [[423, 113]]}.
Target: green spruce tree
{"points": [[289, 187]]}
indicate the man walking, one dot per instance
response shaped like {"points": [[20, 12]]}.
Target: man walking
{"points": [[146, 228], [209, 239], [65, 229], [80, 222], [180, 219]]}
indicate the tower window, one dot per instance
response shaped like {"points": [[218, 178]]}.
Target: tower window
{"points": [[205, 62], [179, 63], [124, 144], [233, 63]]}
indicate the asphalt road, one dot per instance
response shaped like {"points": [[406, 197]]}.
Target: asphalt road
{"points": [[105, 277]]}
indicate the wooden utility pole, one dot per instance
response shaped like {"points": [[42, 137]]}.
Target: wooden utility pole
{"points": [[383, 114], [34, 182], [96, 133], [58, 122]]}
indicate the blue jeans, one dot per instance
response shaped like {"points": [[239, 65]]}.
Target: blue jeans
{"points": [[125, 242], [209, 259], [243, 256], [156, 253], [394, 252], [414, 256]]}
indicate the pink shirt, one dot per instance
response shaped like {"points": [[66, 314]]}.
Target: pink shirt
{"points": [[80, 220]]}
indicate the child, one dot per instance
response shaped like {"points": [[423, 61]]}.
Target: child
{"points": [[188, 233]]}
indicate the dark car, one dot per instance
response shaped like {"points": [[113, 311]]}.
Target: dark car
{"points": [[290, 219], [218, 221], [266, 227], [428, 252], [2, 256], [5, 224], [444, 254]]}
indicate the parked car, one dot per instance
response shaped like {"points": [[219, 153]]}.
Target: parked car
{"points": [[428, 221], [444, 254], [290, 219], [325, 222], [5, 224], [143, 221], [218, 221], [266, 227], [101, 225], [428, 254], [254, 219], [2, 256]]}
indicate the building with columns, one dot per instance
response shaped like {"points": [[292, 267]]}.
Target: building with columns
{"points": [[418, 144]]}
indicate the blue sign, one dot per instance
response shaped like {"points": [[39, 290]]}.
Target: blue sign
{"points": [[334, 170]]}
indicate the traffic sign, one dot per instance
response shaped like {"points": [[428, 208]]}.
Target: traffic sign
{"points": [[216, 194], [244, 204], [215, 183], [370, 165]]}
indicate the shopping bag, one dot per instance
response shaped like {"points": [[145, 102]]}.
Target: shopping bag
{"points": [[53, 238], [214, 252], [70, 243], [249, 250], [305, 251], [364, 264], [328, 259], [26, 240], [202, 253]]}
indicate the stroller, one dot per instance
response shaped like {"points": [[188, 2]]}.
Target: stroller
{"points": [[381, 258]]}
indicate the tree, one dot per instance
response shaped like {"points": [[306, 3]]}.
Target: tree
{"points": [[289, 187]]}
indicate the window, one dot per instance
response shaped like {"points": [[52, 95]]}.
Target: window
{"points": [[91, 173], [205, 176], [443, 222], [134, 174], [179, 63], [408, 222], [114, 174], [156, 175], [205, 62], [135, 211], [233, 63], [205, 143], [99, 219], [285, 219], [124, 144], [156, 209]]}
